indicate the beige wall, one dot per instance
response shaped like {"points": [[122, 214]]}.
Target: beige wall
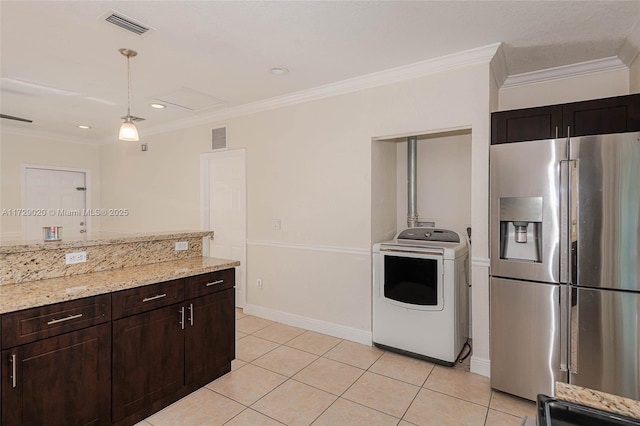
{"points": [[309, 165], [634, 76], [160, 187], [18, 150], [591, 86], [383, 191]]}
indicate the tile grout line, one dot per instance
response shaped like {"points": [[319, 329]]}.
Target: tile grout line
{"points": [[458, 367]]}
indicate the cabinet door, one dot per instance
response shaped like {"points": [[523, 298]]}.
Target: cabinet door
{"points": [[527, 124], [210, 337], [148, 360], [62, 380], [603, 116]]}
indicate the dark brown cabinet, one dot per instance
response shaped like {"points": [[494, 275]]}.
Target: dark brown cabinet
{"points": [[63, 378], [600, 116], [165, 350], [211, 331], [148, 361], [116, 358]]}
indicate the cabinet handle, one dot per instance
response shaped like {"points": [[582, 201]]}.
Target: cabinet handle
{"points": [[14, 379], [214, 283], [181, 317], [191, 314], [70, 317], [556, 132], [158, 296]]}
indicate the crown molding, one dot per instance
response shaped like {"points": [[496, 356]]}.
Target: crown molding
{"points": [[58, 137], [565, 71], [381, 78]]}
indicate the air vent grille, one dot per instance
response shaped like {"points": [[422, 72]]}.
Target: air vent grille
{"points": [[126, 23], [219, 138]]}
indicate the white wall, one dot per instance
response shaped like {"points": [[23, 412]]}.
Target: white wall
{"points": [[308, 165], [590, 86], [443, 181], [18, 149]]}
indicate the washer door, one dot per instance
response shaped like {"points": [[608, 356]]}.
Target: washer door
{"points": [[410, 280]]}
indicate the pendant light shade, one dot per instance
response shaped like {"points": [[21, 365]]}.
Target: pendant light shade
{"points": [[128, 130]]}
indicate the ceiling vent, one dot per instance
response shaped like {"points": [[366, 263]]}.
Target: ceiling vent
{"points": [[126, 23], [219, 138]]}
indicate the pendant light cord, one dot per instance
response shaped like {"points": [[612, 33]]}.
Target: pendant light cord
{"points": [[128, 88]]}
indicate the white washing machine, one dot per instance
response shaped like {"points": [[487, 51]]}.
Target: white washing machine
{"points": [[420, 294]]}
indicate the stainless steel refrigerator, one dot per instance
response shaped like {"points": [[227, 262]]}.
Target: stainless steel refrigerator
{"points": [[565, 274]]}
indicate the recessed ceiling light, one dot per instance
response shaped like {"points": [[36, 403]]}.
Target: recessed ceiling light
{"points": [[279, 71], [157, 106], [81, 126]]}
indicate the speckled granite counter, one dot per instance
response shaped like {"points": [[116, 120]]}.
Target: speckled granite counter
{"points": [[7, 247], [599, 400], [14, 297], [37, 260]]}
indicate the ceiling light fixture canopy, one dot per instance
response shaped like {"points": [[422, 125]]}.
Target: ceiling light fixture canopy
{"points": [[128, 130]]}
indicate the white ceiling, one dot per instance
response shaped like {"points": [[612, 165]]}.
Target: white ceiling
{"points": [[61, 66]]}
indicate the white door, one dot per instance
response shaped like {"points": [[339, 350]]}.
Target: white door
{"points": [[54, 198], [224, 196]]}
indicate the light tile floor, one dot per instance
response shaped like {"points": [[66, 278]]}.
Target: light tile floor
{"points": [[287, 375]]}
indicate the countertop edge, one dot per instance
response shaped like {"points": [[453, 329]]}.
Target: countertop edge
{"points": [[19, 247], [32, 294], [596, 399]]}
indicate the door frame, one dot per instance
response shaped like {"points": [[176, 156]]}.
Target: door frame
{"points": [[87, 193], [205, 193]]}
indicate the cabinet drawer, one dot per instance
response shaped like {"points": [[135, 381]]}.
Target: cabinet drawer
{"points": [[145, 298], [212, 282], [51, 320]]}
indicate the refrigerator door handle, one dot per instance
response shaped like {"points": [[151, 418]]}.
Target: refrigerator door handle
{"points": [[565, 301], [572, 226], [573, 327], [565, 242]]}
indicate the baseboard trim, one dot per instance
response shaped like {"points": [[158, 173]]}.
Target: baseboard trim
{"points": [[481, 366], [336, 330]]}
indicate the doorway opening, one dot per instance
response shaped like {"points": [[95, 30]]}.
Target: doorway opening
{"points": [[55, 197]]}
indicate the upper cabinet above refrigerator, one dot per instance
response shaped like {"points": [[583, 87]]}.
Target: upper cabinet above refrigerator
{"points": [[601, 116]]}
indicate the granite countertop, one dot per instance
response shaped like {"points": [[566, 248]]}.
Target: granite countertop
{"points": [[7, 247], [15, 297], [596, 399]]}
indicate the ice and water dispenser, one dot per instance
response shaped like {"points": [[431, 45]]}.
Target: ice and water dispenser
{"points": [[521, 228]]}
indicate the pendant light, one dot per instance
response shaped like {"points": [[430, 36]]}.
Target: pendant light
{"points": [[128, 131]]}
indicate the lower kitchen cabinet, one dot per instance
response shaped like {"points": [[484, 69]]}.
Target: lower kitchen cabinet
{"points": [[61, 380], [163, 354], [210, 337], [116, 358], [148, 360]]}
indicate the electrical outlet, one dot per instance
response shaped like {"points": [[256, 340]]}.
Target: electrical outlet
{"points": [[78, 257], [182, 245], [276, 224], [259, 283]]}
